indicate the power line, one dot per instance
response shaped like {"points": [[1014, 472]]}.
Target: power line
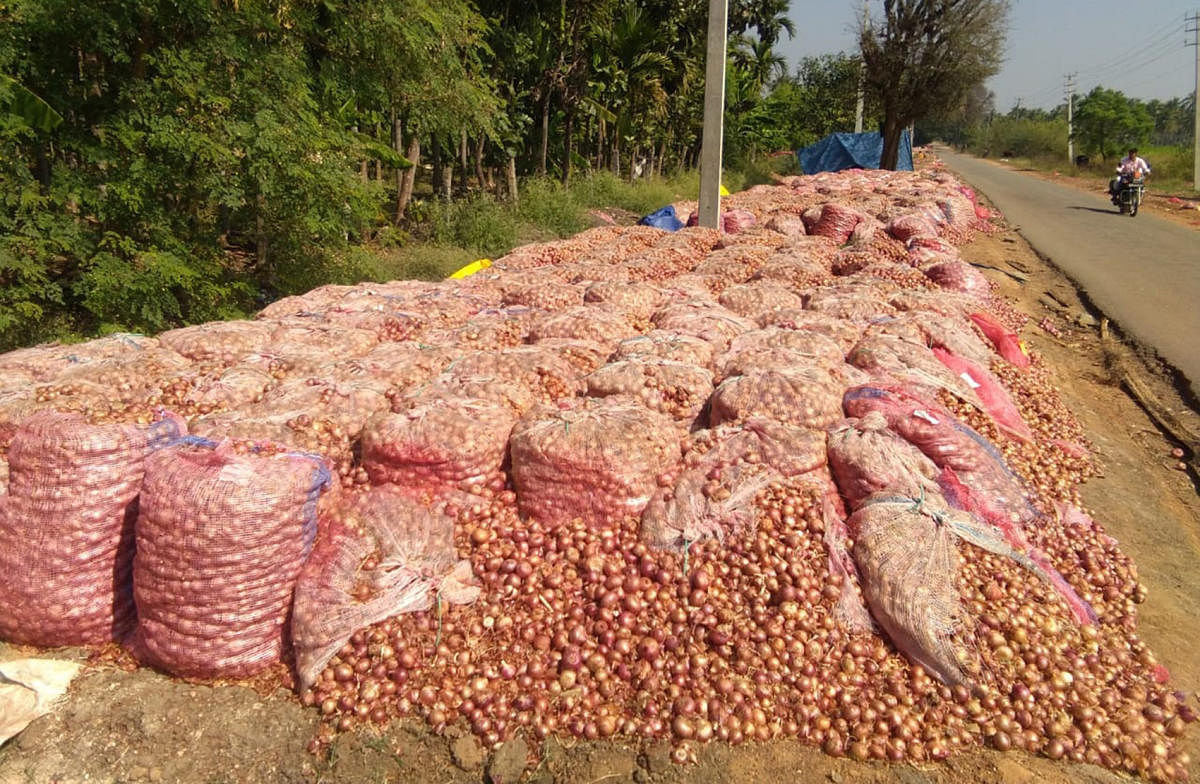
{"points": [[1167, 30]]}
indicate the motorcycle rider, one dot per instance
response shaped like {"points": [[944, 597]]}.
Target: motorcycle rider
{"points": [[1131, 167]]}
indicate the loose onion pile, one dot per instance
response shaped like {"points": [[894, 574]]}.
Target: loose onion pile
{"points": [[558, 387]]}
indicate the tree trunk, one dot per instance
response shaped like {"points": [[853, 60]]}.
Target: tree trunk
{"points": [[464, 157], [511, 179], [260, 231], [616, 153], [479, 175], [447, 183], [568, 149], [438, 160], [410, 177], [600, 139], [892, 128], [362, 165], [544, 147], [398, 146]]}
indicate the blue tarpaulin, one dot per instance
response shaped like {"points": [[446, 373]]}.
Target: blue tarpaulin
{"points": [[839, 151]]}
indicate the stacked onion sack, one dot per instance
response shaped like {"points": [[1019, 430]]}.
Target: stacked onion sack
{"points": [[797, 479]]}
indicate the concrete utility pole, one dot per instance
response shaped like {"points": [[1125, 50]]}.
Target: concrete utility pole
{"points": [[1070, 118], [714, 116], [1194, 19], [862, 75]]}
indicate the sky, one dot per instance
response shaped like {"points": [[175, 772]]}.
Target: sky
{"points": [[1137, 48]]}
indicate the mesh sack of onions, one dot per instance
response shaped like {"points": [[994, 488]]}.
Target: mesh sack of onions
{"points": [[1005, 340], [336, 341], [439, 444], [734, 264], [788, 224], [959, 210], [954, 333], [636, 301], [996, 401], [550, 295], [514, 393], [541, 369], [891, 357], [866, 457], [379, 554], [671, 346], [595, 322], [348, 404], [724, 471], [582, 355], [907, 560], [67, 528], [910, 225], [807, 396], [864, 233], [753, 299], [587, 272], [951, 444], [223, 342], [808, 343], [659, 263], [695, 240], [386, 325], [900, 274], [959, 276], [734, 221], [221, 538], [861, 307], [225, 389], [796, 273], [844, 332], [598, 461], [489, 330], [754, 360], [851, 260], [836, 221], [401, 365], [677, 389], [690, 286], [709, 322]]}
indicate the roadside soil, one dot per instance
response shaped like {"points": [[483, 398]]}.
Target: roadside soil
{"points": [[134, 725]]}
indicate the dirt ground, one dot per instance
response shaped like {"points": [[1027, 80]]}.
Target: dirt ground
{"points": [[135, 726]]}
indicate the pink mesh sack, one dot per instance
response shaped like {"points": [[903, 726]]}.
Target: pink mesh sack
{"points": [[804, 396], [221, 538], [866, 457], [594, 460], [67, 528], [439, 444]]}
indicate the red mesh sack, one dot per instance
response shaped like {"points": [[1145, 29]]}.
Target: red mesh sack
{"points": [[67, 528], [1007, 344], [866, 457], [380, 555], [735, 221], [949, 444], [959, 276], [724, 472], [221, 538], [995, 398], [912, 224], [804, 396], [596, 460], [835, 221], [753, 299], [439, 444], [677, 389]]}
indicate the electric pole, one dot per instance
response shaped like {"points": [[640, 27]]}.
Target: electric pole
{"points": [[1194, 29], [862, 75], [714, 116], [1070, 88]]}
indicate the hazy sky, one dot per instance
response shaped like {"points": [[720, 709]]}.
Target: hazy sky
{"points": [[1137, 48]]}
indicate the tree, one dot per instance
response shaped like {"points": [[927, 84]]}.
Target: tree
{"points": [[756, 57], [923, 56], [1106, 122]]}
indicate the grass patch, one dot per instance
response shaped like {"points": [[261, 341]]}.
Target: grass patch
{"points": [[1171, 168]]}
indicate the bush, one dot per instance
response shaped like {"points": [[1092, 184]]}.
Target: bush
{"points": [[1023, 138]]}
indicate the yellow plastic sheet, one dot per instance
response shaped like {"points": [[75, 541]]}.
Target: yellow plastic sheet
{"points": [[471, 269]]}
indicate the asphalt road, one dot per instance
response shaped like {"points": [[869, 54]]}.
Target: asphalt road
{"points": [[1143, 272]]}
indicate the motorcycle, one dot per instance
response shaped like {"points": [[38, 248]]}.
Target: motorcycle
{"points": [[1129, 195]]}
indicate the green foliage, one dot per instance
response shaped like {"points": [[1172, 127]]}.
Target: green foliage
{"points": [[1023, 138], [1107, 122]]}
